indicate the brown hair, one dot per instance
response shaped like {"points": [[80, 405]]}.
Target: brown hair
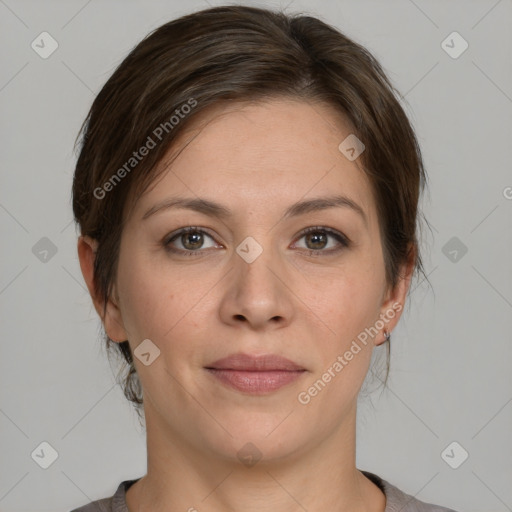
{"points": [[234, 54]]}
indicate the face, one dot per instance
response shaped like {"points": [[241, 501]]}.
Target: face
{"points": [[259, 275]]}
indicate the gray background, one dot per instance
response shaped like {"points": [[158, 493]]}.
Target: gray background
{"points": [[451, 354]]}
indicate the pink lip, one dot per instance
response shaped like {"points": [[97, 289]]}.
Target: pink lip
{"points": [[255, 374], [263, 363]]}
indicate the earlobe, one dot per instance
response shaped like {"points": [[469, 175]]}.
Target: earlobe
{"points": [[390, 314], [113, 323], [394, 304], [111, 318]]}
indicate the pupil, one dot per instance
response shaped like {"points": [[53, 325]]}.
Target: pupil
{"points": [[193, 245], [319, 239]]}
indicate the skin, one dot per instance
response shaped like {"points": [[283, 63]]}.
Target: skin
{"points": [[257, 160]]}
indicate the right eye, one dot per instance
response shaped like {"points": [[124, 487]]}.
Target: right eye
{"points": [[191, 240]]}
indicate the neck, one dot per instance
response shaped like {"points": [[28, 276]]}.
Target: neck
{"points": [[182, 477]]}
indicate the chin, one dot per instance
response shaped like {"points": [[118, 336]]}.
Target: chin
{"points": [[256, 439]]}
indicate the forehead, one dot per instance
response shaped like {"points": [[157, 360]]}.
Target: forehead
{"points": [[277, 151]]}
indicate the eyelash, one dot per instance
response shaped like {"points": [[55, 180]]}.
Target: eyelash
{"points": [[342, 239]]}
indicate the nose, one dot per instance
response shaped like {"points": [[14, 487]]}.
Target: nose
{"points": [[258, 294]]}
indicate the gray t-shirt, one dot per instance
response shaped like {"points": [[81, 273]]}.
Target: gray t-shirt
{"points": [[396, 500]]}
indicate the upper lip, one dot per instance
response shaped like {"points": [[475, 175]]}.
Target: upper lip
{"points": [[254, 363]]}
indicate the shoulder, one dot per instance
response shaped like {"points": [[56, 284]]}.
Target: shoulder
{"points": [[115, 503], [397, 500]]}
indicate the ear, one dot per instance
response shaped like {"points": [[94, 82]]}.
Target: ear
{"points": [[112, 319], [394, 300]]}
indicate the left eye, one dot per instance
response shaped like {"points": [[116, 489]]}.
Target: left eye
{"points": [[318, 239]]}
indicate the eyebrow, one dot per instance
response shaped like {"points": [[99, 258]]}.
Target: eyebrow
{"points": [[213, 209]]}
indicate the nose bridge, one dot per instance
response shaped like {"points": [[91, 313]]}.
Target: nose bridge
{"points": [[256, 291], [254, 261]]}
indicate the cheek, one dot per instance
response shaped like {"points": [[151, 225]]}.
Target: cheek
{"points": [[158, 303], [351, 308], [354, 295], [142, 294]]}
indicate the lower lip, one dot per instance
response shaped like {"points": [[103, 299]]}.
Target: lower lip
{"points": [[256, 382]]}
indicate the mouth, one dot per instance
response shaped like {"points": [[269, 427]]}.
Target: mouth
{"points": [[255, 374]]}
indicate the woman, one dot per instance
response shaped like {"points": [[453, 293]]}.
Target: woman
{"points": [[247, 191]]}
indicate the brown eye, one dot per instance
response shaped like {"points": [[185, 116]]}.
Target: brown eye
{"points": [[317, 240], [188, 241], [191, 241]]}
